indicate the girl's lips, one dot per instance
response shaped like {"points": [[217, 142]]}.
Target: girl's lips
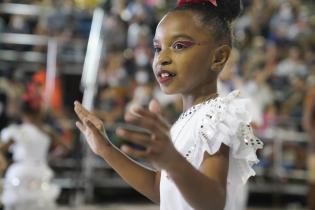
{"points": [[164, 80], [165, 76]]}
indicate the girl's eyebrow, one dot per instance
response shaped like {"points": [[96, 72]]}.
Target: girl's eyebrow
{"points": [[185, 36]]}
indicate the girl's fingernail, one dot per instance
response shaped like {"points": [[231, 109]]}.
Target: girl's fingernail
{"points": [[124, 148], [135, 108], [120, 131]]}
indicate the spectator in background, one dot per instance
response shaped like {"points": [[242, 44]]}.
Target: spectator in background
{"points": [[11, 86], [113, 73], [55, 103], [4, 120], [309, 126], [55, 113], [293, 65], [115, 31]]}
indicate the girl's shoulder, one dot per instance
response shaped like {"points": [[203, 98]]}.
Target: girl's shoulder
{"points": [[225, 116], [230, 107], [227, 120]]}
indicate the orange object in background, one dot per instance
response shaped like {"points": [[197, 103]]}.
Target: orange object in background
{"points": [[56, 102]]}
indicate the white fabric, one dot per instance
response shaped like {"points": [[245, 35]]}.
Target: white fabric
{"points": [[30, 142], [27, 180], [203, 128]]}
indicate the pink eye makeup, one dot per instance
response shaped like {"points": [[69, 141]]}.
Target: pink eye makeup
{"points": [[185, 43], [178, 45]]}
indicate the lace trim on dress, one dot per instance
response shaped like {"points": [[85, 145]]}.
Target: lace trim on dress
{"points": [[227, 121]]}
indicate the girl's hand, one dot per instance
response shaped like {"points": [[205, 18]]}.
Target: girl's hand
{"points": [[92, 128], [159, 149]]}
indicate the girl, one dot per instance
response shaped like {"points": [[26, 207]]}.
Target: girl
{"points": [[203, 161], [27, 181]]}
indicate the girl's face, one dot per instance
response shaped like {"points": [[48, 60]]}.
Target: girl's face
{"points": [[183, 54]]}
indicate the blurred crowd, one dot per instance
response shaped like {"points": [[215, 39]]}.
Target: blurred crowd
{"points": [[273, 61]]}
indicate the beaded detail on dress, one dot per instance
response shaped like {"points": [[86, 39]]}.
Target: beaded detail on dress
{"points": [[228, 122], [189, 112], [245, 132], [194, 108]]}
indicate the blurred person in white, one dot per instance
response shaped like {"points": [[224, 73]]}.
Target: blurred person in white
{"points": [[27, 184], [309, 126]]}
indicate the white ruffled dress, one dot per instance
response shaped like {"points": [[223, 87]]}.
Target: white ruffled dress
{"points": [[27, 184], [204, 128]]}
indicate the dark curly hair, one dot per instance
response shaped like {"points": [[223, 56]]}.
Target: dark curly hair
{"points": [[30, 102], [218, 18]]}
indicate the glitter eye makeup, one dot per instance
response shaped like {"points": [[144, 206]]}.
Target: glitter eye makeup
{"points": [[178, 45], [185, 43]]}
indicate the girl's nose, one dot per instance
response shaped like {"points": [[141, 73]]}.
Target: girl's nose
{"points": [[164, 58]]}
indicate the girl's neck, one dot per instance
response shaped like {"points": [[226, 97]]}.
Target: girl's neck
{"points": [[30, 120], [193, 99]]}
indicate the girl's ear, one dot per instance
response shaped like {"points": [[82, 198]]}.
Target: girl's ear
{"points": [[220, 56]]}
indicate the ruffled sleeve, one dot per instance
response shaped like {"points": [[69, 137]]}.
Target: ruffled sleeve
{"points": [[8, 133], [227, 121]]}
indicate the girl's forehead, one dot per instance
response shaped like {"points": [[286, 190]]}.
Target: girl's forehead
{"points": [[181, 22]]}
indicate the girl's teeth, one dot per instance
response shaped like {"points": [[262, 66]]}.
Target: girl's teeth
{"points": [[163, 75]]}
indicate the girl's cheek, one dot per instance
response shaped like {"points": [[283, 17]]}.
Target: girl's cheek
{"points": [[154, 63]]}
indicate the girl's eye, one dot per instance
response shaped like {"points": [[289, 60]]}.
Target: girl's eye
{"points": [[156, 49], [182, 45]]}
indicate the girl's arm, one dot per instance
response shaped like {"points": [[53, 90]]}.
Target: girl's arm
{"points": [[207, 190], [142, 179], [203, 189]]}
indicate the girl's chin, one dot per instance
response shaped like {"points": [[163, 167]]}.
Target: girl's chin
{"points": [[168, 91]]}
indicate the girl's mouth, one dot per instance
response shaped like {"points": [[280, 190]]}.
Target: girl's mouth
{"points": [[165, 76]]}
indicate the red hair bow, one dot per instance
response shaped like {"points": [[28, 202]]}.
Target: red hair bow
{"points": [[184, 2], [32, 97]]}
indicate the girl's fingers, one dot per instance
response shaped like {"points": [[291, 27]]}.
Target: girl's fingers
{"points": [[156, 118], [80, 111], [142, 139], [135, 112], [152, 125], [84, 115], [92, 128], [155, 107], [134, 152], [80, 126]]}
